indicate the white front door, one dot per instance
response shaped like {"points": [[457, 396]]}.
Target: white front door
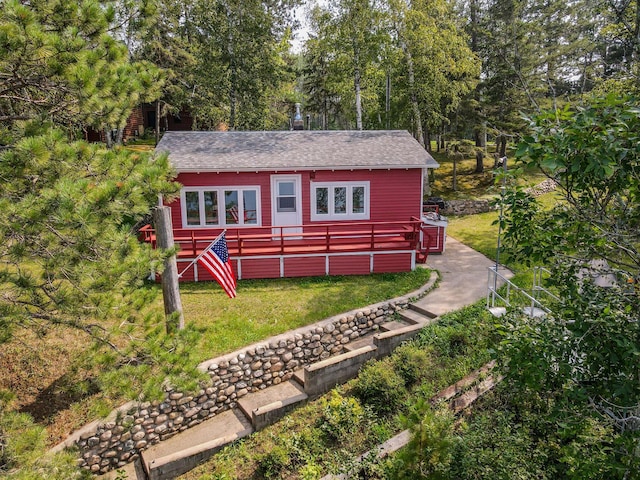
{"points": [[286, 203]]}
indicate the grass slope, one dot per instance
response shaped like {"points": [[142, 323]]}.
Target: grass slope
{"points": [[62, 388]]}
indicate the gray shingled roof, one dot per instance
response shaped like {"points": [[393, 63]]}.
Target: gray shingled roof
{"points": [[293, 150]]}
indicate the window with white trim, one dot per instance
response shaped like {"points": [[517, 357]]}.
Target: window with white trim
{"points": [[220, 206], [339, 201]]}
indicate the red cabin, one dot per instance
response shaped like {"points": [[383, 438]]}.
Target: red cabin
{"points": [[300, 203]]}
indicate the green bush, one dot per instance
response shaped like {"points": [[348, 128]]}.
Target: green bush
{"points": [[341, 416], [271, 464], [380, 387], [412, 363]]}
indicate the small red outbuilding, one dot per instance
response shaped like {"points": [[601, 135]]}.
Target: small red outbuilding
{"points": [[300, 203]]}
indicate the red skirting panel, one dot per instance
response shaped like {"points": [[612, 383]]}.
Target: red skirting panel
{"points": [[189, 274], [350, 265], [304, 267], [259, 267], [393, 262]]}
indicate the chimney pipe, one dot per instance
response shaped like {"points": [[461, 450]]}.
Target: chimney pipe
{"points": [[298, 123]]}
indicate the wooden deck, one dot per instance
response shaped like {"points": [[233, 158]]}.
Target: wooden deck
{"points": [[326, 238], [320, 249]]}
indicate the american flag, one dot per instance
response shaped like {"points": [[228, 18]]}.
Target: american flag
{"points": [[215, 259]]}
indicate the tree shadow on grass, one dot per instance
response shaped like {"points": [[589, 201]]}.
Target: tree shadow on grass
{"points": [[59, 396]]}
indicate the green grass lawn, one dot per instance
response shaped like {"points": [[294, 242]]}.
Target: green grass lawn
{"points": [[264, 308], [471, 185]]}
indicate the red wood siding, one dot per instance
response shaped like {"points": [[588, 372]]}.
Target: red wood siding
{"points": [[134, 122], [394, 262], [304, 267], [350, 265], [433, 238], [260, 268], [395, 195]]}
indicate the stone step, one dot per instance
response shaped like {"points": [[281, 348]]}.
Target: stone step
{"points": [[298, 376], [130, 471], [362, 342], [422, 310], [269, 405], [498, 311], [534, 312], [187, 449], [412, 317], [389, 326]]}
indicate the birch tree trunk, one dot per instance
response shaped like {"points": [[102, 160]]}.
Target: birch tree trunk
{"points": [[157, 125], [356, 84]]}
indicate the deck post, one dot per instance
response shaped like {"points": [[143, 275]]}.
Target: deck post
{"points": [[170, 289]]}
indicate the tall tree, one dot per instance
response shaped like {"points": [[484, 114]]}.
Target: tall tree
{"points": [[438, 64], [319, 73], [166, 41], [60, 63], [240, 60], [68, 252], [357, 39], [584, 357]]}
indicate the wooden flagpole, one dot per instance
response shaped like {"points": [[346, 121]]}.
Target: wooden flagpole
{"points": [[170, 289]]}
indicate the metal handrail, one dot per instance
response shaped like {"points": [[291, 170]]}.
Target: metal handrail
{"points": [[493, 294], [537, 283]]}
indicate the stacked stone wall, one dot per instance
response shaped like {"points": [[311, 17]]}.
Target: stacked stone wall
{"points": [[466, 207], [472, 207], [109, 445]]}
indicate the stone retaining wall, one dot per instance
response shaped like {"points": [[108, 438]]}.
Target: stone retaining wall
{"points": [[472, 207], [466, 207], [113, 443], [543, 187]]}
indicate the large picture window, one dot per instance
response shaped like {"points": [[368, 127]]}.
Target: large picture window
{"points": [[219, 207], [340, 201]]}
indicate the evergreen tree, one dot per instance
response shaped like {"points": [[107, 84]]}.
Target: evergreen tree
{"points": [[166, 42], [68, 253], [440, 67], [240, 64], [321, 78], [60, 64]]}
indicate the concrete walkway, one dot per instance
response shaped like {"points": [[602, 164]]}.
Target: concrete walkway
{"points": [[463, 278], [463, 281]]}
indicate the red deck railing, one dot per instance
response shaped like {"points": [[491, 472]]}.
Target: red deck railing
{"points": [[295, 240]]}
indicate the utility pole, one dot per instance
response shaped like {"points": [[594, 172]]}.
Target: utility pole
{"points": [[170, 290]]}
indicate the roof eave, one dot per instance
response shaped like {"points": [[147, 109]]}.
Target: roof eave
{"points": [[304, 169]]}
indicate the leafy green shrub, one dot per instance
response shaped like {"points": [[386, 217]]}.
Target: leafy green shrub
{"points": [[429, 453], [341, 416], [310, 471], [271, 464], [380, 387], [412, 363]]}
